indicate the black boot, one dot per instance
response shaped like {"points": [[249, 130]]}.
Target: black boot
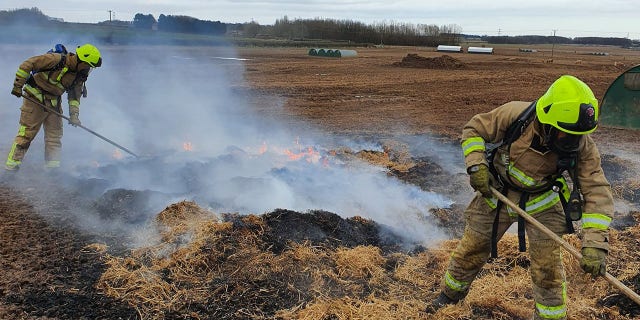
{"points": [[441, 301]]}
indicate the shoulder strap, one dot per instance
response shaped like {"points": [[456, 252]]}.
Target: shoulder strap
{"points": [[58, 66], [516, 129]]}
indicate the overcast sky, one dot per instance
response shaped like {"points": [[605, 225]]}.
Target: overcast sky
{"points": [[569, 18]]}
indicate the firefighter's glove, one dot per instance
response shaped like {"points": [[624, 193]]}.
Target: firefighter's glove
{"points": [[479, 177], [74, 113], [17, 91], [593, 261]]}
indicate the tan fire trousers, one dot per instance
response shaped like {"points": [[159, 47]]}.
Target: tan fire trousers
{"points": [[473, 251], [32, 117]]}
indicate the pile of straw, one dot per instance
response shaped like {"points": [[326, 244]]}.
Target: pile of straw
{"points": [[211, 269]]}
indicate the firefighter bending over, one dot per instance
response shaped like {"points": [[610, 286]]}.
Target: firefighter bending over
{"points": [[541, 146]]}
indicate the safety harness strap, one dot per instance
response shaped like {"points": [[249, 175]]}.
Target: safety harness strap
{"points": [[522, 246], [567, 216]]}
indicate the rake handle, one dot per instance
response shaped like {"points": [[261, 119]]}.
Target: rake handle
{"points": [[80, 125]]}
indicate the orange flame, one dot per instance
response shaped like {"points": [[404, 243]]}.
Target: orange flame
{"points": [[117, 154], [310, 155], [293, 156], [325, 162], [263, 148]]}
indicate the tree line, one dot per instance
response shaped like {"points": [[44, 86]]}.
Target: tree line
{"points": [[300, 29], [32, 16], [386, 33], [183, 24], [167, 23], [391, 33]]}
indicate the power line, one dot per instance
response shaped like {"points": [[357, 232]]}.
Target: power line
{"points": [[570, 33]]}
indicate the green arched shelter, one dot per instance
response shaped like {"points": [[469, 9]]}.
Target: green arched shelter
{"points": [[621, 103]]}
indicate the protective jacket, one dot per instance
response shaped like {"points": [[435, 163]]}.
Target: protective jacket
{"points": [[530, 166], [46, 77], [54, 75]]}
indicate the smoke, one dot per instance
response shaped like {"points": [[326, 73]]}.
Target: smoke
{"points": [[188, 114]]}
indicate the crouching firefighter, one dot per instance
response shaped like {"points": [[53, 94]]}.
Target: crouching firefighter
{"points": [[541, 145], [44, 79]]}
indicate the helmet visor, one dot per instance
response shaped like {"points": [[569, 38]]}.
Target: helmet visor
{"points": [[97, 64], [587, 120]]}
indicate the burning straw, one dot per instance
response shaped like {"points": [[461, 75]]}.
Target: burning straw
{"points": [[208, 268]]}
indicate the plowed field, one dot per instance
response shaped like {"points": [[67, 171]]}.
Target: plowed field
{"points": [[316, 265]]}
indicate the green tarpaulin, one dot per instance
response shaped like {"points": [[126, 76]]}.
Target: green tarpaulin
{"points": [[333, 53], [621, 103]]}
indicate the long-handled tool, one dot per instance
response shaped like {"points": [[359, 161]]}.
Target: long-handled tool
{"points": [[572, 250], [79, 125]]}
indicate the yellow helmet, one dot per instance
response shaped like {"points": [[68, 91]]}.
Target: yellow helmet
{"points": [[89, 54], [570, 106]]}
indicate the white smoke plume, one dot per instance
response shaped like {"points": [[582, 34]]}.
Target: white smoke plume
{"points": [[187, 112]]}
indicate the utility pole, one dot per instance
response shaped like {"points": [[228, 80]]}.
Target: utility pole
{"points": [[553, 43], [110, 11]]}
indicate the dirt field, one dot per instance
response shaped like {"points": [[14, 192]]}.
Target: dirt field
{"points": [[51, 270], [371, 94]]}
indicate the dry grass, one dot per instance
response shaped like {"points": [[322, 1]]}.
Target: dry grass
{"points": [[394, 156], [226, 271], [626, 190]]}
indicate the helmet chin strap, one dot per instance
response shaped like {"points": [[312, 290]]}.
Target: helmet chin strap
{"points": [[547, 132]]}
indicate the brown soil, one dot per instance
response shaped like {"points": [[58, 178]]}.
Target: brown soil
{"points": [[413, 60], [315, 265]]}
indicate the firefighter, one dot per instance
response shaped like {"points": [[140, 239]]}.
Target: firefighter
{"points": [[551, 146], [45, 78]]}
